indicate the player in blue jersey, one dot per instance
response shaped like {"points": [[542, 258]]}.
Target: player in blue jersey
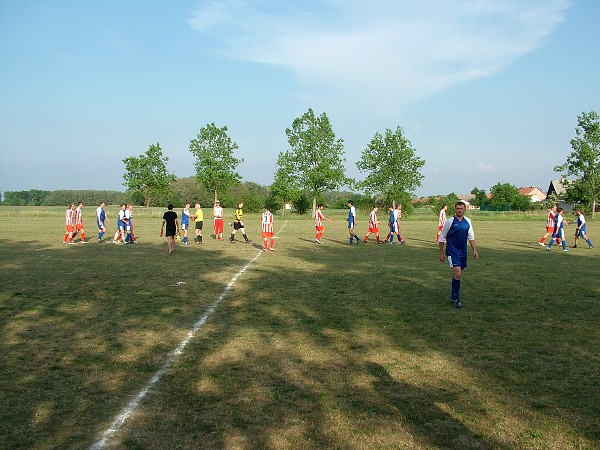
{"points": [[454, 236], [185, 223], [559, 230], [100, 219], [352, 222], [581, 230]]}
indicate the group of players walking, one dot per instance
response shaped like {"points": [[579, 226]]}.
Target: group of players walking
{"points": [[74, 224], [555, 227]]}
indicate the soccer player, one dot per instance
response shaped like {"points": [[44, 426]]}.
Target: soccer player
{"points": [[399, 216], [70, 224], [394, 226], [172, 227], [218, 220], [581, 230], [320, 229], [79, 223], [238, 223], [100, 219], [441, 221], [454, 236], [352, 222], [128, 224], [198, 220], [185, 223], [267, 230], [559, 230], [373, 226], [129, 214], [120, 233], [549, 226]]}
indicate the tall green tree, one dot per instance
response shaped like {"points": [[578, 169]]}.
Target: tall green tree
{"points": [[147, 175], [315, 161], [507, 196], [584, 160], [392, 167], [215, 161]]}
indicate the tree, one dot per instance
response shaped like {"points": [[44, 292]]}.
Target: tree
{"points": [[283, 189], [507, 197], [584, 160], [147, 174], [480, 197], [315, 162], [392, 166], [215, 163]]}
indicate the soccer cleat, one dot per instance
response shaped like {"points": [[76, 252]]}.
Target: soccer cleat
{"points": [[84, 242], [575, 246], [548, 248], [318, 241], [458, 304], [565, 250], [271, 249], [542, 244]]}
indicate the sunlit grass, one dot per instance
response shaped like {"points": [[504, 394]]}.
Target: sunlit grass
{"points": [[327, 346]]}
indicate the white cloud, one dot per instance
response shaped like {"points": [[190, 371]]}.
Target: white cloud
{"points": [[485, 167], [386, 50]]}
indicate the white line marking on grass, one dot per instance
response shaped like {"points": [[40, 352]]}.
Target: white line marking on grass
{"points": [[171, 358]]}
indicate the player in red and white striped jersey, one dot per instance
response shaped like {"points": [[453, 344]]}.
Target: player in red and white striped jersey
{"points": [[79, 222], [550, 226], [267, 229], [319, 218], [70, 224], [373, 225]]}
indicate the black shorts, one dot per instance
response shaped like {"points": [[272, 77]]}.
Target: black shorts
{"points": [[237, 225], [199, 225]]}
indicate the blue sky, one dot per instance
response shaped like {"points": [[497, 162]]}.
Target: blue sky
{"points": [[487, 91]]}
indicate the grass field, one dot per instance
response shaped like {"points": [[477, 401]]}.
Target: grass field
{"points": [[331, 346]]}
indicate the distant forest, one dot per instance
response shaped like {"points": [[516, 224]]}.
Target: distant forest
{"points": [[183, 190]]}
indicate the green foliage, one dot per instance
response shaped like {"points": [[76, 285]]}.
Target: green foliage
{"points": [[393, 168], [507, 197], [33, 197], [480, 198], [147, 175], [63, 197], [302, 204], [584, 161], [315, 162], [215, 161]]}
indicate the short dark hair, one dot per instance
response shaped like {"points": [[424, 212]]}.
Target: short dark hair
{"points": [[460, 202], [170, 206], [350, 202]]}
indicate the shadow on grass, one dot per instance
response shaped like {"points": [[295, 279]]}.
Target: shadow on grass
{"points": [[83, 327], [364, 350]]}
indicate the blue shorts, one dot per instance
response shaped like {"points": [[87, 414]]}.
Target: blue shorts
{"points": [[457, 261], [351, 225], [583, 230], [100, 225]]}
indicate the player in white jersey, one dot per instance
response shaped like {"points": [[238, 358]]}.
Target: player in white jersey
{"points": [[218, 220], [267, 230]]}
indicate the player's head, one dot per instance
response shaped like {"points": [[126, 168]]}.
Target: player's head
{"points": [[320, 206], [170, 206], [187, 205], [71, 205], [375, 208], [240, 204], [80, 204], [460, 207], [197, 205], [578, 211], [130, 206], [217, 203], [350, 203]]}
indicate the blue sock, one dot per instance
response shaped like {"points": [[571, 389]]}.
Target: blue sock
{"points": [[455, 289], [589, 241], [564, 244], [550, 244], [357, 239], [351, 240], [100, 235]]}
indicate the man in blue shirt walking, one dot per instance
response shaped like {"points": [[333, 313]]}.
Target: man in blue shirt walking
{"points": [[454, 236]]}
